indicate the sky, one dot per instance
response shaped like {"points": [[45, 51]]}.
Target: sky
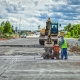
{"points": [[29, 14]]}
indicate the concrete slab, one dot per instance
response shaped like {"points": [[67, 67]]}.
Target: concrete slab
{"points": [[3, 65], [28, 68]]}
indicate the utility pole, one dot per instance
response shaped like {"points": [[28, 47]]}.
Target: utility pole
{"points": [[39, 27], [16, 28], [19, 27]]}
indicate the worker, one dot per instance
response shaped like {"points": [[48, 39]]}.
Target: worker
{"points": [[63, 45]]}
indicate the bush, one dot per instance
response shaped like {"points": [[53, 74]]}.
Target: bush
{"points": [[67, 36], [6, 35], [75, 36]]}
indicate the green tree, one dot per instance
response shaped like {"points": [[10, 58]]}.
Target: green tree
{"points": [[1, 29], [68, 27], [74, 30], [2, 23], [7, 27]]}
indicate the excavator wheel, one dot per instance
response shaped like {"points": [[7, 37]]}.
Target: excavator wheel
{"points": [[41, 42]]}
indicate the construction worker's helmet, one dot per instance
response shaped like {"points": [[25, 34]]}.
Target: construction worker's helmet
{"points": [[61, 36], [49, 19]]}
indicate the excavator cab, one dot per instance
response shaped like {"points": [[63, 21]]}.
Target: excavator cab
{"points": [[54, 29]]}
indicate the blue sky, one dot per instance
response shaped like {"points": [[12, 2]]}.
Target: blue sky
{"points": [[31, 13]]}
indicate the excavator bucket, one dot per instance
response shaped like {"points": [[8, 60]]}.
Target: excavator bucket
{"points": [[48, 45]]}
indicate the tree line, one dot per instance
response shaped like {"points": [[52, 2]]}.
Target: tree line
{"points": [[72, 30], [6, 27]]}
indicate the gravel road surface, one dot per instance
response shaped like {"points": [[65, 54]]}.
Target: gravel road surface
{"points": [[26, 63]]}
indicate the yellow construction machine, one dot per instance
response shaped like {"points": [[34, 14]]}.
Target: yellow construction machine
{"points": [[50, 30], [49, 38]]}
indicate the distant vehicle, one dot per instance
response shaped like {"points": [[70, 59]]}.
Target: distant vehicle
{"points": [[23, 35], [37, 32]]}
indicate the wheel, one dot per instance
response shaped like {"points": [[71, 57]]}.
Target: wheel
{"points": [[41, 42]]}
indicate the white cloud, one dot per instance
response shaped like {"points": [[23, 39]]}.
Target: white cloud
{"points": [[35, 12]]}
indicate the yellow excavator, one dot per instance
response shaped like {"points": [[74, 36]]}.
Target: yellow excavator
{"points": [[49, 38], [50, 31]]}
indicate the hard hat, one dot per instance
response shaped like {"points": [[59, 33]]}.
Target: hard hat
{"points": [[49, 19], [61, 36]]}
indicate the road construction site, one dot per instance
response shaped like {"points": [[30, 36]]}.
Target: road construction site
{"points": [[26, 63]]}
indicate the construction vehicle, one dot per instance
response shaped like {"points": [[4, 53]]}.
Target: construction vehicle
{"points": [[49, 38], [44, 33]]}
